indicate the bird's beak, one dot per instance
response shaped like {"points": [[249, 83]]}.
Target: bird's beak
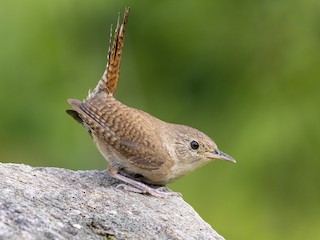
{"points": [[217, 154]]}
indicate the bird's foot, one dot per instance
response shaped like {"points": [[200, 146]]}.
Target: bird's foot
{"points": [[139, 187], [161, 192], [168, 190]]}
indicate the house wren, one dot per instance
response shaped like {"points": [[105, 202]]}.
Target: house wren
{"points": [[140, 149]]}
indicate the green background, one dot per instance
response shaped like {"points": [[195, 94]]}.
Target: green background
{"points": [[244, 72]]}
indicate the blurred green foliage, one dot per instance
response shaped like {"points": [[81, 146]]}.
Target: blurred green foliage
{"points": [[245, 72]]}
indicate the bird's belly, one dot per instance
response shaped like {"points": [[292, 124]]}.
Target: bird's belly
{"points": [[158, 176]]}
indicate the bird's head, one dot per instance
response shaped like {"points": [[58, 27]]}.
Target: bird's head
{"points": [[193, 149]]}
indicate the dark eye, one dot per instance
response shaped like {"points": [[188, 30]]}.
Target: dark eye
{"points": [[194, 145]]}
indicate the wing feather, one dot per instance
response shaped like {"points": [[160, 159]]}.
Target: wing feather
{"points": [[114, 125]]}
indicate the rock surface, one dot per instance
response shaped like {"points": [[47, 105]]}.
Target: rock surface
{"points": [[52, 203]]}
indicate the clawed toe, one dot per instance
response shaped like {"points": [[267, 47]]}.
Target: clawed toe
{"points": [[129, 188], [159, 192], [166, 190]]}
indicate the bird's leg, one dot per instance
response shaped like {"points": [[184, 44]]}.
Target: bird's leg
{"points": [[137, 186]]}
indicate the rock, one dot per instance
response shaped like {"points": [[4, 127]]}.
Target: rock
{"points": [[52, 203]]}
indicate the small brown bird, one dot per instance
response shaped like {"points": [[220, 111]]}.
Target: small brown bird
{"points": [[140, 149]]}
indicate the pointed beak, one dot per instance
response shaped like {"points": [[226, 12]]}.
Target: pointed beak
{"points": [[217, 154]]}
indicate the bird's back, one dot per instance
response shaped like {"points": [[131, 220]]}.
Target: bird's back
{"points": [[127, 133]]}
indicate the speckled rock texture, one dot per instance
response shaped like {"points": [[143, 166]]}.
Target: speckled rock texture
{"points": [[52, 203]]}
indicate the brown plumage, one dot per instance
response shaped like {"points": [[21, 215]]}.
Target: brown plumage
{"points": [[139, 147]]}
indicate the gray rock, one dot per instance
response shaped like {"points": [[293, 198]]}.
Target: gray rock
{"points": [[52, 203]]}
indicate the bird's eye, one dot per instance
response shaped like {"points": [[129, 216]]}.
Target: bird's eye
{"points": [[194, 145]]}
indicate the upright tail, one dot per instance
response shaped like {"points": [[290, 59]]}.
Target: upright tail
{"points": [[109, 80]]}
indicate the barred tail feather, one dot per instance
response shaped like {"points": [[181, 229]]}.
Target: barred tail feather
{"points": [[109, 80]]}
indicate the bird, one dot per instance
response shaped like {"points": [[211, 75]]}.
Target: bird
{"points": [[142, 151]]}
